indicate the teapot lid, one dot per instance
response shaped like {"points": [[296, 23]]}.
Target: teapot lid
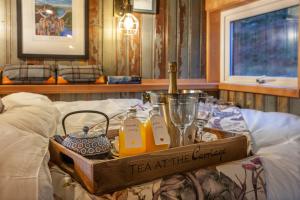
{"points": [[87, 133]]}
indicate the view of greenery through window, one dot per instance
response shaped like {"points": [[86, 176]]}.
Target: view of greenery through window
{"points": [[265, 44]]}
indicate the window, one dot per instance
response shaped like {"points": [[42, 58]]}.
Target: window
{"points": [[261, 39]]}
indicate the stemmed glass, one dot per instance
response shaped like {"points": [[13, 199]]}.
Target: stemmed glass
{"points": [[204, 113], [182, 114]]}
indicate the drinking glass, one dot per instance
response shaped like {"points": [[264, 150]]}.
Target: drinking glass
{"points": [[204, 113], [182, 114]]}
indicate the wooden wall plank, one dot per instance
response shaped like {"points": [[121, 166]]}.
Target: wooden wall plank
{"points": [[183, 38], [249, 101], [231, 96], [172, 31], [8, 33], [134, 46], [160, 42], [262, 102], [2, 32], [294, 106], [283, 104], [259, 102], [203, 33], [109, 38], [121, 52], [147, 46], [93, 31], [224, 95], [14, 39], [270, 103], [194, 53], [213, 47], [240, 99], [100, 32]]}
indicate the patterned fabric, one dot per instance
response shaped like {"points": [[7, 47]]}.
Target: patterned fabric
{"points": [[79, 74], [235, 180], [230, 119], [28, 74]]}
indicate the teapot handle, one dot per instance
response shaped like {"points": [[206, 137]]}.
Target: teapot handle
{"points": [[85, 111]]}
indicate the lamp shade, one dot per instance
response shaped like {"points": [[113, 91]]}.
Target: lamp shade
{"points": [[128, 24]]}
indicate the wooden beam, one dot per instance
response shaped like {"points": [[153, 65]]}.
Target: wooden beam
{"points": [[213, 47]]}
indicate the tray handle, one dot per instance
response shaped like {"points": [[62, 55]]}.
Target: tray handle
{"points": [[67, 163]]}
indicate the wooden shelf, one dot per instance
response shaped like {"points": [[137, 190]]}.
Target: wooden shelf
{"points": [[261, 89], [147, 84]]}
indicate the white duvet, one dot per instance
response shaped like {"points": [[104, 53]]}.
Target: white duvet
{"points": [[25, 126], [276, 139], [30, 119]]}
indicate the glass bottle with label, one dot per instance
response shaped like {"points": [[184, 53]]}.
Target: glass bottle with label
{"points": [[156, 131], [131, 141]]}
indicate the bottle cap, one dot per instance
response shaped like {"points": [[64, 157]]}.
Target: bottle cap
{"points": [[172, 67]]}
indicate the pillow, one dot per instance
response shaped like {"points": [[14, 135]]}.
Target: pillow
{"points": [[1, 106], [30, 112], [80, 74], [28, 74], [270, 128], [281, 164]]}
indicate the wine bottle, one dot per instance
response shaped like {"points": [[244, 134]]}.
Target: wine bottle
{"points": [[172, 78]]}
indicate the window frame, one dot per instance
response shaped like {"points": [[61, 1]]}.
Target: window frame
{"points": [[249, 10]]}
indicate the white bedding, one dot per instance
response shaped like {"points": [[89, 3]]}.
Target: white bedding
{"points": [[30, 119], [270, 128], [276, 139], [26, 124]]}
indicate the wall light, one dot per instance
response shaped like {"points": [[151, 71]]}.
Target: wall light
{"points": [[128, 23]]}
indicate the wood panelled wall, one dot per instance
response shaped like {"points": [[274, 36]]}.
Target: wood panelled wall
{"points": [[176, 33], [262, 102]]}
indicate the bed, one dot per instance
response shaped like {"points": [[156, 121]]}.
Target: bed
{"points": [[272, 172]]}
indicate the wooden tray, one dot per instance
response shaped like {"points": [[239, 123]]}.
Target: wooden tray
{"points": [[104, 176]]}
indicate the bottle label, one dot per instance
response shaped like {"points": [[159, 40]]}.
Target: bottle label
{"points": [[160, 131], [133, 138]]}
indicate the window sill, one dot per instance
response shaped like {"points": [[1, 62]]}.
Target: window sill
{"points": [[261, 89]]}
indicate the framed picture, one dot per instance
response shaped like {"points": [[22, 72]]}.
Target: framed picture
{"points": [[145, 6], [56, 29]]}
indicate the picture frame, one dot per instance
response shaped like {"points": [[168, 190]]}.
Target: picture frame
{"points": [[145, 6], [53, 29]]}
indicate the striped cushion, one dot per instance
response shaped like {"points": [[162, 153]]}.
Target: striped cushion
{"points": [[28, 74], [79, 74]]}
